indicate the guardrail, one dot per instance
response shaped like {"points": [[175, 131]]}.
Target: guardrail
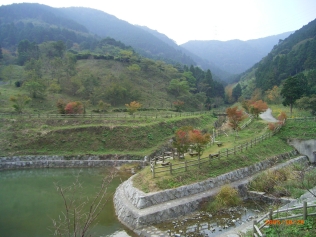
{"points": [[263, 221]]}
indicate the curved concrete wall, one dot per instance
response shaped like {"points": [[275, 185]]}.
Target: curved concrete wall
{"points": [[136, 209], [142, 200]]}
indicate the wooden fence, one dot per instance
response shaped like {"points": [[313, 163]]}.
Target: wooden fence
{"points": [[184, 166], [122, 115], [263, 221], [302, 119]]}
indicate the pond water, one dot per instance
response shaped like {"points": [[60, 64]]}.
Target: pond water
{"points": [[29, 201]]}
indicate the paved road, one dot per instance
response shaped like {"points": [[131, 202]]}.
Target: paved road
{"points": [[268, 116]]}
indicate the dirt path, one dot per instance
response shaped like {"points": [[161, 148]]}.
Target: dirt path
{"points": [[267, 116]]}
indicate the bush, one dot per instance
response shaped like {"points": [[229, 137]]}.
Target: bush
{"points": [[74, 108], [226, 197]]}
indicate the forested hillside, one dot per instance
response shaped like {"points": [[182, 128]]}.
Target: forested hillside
{"points": [[291, 56], [288, 73], [106, 77]]}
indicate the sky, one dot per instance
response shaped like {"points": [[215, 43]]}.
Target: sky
{"points": [[185, 20]]}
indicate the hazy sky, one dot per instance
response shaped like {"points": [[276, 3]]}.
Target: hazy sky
{"points": [[184, 20]]}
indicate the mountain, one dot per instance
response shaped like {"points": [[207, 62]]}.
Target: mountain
{"points": [[85, 26], [145, 43], [219, 74], [293, 55], [234, 56]]}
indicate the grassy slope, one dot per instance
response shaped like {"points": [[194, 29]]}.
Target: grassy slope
{"points": [[84, 136]]}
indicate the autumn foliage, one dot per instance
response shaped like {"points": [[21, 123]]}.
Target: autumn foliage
{"points": [[235, 116], [75, 107], [271, 126], [186, 137], [282, 117], [198, 140], [257, 107], [133, 107]]}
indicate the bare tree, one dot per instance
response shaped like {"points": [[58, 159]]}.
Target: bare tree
{"points": [[80, 213]]}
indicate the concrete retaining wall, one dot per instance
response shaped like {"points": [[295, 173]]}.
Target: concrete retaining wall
{"points": [[142, 200], [20, 162], [137, 209], [306, 147]]}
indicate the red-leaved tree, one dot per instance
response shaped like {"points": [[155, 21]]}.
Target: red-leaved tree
{"points": [[235, 116], [75, 107], [182, 140], [199, 140], [258, 107]]}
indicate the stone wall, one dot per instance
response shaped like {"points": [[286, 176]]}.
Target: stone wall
{"points": [[20, 162], [142, 200], [306, 147], [136, 209]]}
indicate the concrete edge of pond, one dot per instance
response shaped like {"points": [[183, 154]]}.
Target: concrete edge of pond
{"points": [[136, 218], [24, 162]]}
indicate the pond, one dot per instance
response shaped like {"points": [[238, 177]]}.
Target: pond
{"points": [[29, 201]]}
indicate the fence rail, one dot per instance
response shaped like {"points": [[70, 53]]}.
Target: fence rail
{"points": [[123, 115], [263, 221], [302, 118], [183, 166]]}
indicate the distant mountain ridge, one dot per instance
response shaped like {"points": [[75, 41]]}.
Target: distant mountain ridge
{"points": [[234, 56], [85, 26]]}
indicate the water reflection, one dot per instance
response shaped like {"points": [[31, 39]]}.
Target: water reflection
{"points": [[29, 200]]}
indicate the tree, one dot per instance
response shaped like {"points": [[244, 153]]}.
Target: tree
{"points": [[236, 93], [307, 103], [182, 141], [133, 107], [103, 106], [235, 116], [273, 95], [35, 88], [178, 105], [80, 213], [199, 140], [258, 107], [19, 102], [293, 89], [75, 107], [178, 87], [61, 105]]}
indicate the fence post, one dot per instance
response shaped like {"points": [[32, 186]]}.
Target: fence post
{"points": [[270, 214], [199, 162], [170, 168], [153, 169], [185, 166], [253, 227], [305, 210]]}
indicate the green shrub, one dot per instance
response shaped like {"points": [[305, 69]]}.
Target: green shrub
{"points": [[226, 197]]}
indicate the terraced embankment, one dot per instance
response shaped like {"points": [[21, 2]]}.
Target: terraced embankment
{"points": [[137, 209]]}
